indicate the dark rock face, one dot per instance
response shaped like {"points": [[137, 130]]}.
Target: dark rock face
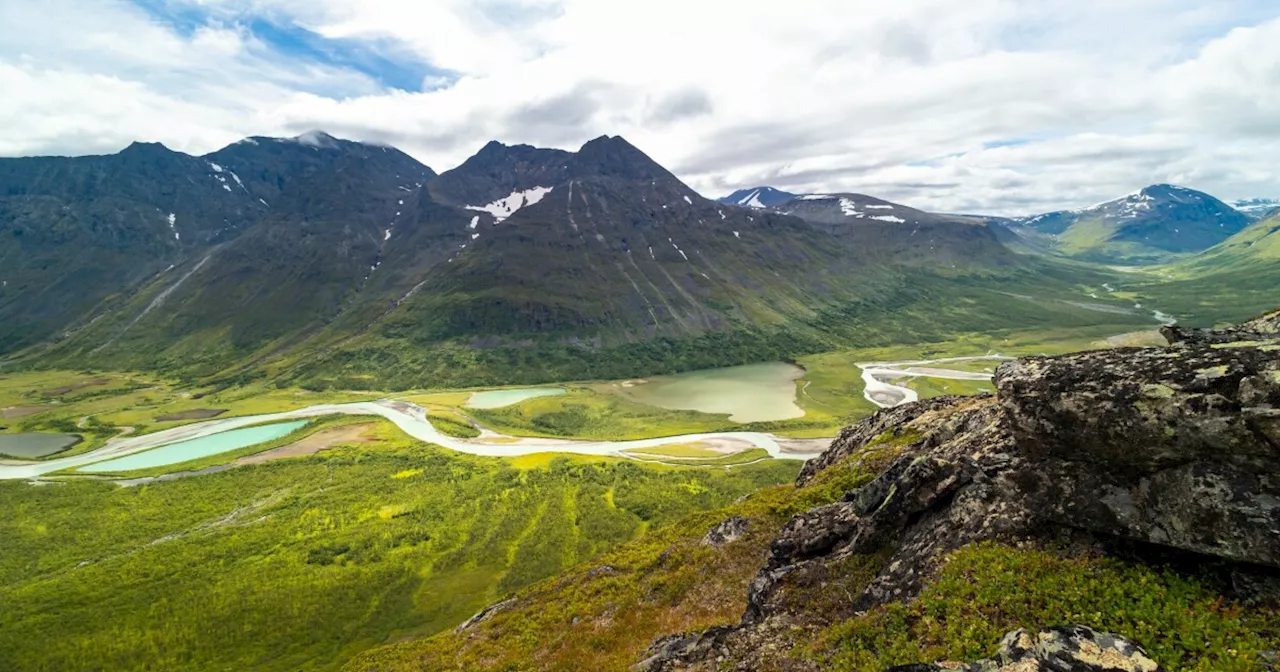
{"points": [[1173, 449], [1063, 649]]}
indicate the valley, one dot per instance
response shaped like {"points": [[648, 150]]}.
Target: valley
{"points": [[306, 404], [399, 512]]}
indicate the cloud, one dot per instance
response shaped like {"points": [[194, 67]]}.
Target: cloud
{"points": [[1002, 106], [677, 105]]}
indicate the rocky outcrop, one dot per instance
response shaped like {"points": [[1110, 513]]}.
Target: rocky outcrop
{"points": [[1063, 649], [1175, 450], [727, 531]]}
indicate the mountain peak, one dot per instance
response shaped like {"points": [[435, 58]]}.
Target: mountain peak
{"points": [[146, 149], [758, 197], [317, 138], [613, 156]]}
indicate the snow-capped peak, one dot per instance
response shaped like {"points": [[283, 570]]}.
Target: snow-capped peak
{"points": [[752, 200]]}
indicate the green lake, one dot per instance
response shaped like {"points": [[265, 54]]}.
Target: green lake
{"points": [[32, 446], [751, 393], [500, 398], [196, 448]]}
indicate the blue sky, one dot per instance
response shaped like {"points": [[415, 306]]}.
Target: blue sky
{"points": [[1001, 106], [380, 59]]}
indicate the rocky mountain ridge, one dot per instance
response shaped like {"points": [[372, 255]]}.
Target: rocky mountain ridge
{"points": [[333, 262], [1167, 454]]}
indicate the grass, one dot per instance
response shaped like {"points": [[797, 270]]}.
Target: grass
{"points": [[587, 414], [740, 458], [678, 450], [602, 615], [928, 388], [987, 590], [301, 564], [452, 424]]}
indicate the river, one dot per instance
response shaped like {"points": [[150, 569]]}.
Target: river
{"points": [[412, 420]]}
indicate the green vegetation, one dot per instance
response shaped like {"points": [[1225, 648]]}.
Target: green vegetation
{"points": [[694, 450], [603, 615], [587, 414], [739, 458], [452, 424], [301, 563], [937, 387], [987, 590]]}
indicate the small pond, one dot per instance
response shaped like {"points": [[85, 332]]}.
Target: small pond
{"points": [[204, 446], [500, 398], [33, 446], [751, 393]]}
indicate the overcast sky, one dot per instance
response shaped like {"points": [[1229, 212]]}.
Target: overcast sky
{"points": [[1000, 106]]}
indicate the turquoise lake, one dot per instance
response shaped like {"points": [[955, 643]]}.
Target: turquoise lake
{"points": [[197, 448], [500, 398]]}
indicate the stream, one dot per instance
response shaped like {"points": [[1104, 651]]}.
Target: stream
{"points": [[879, 391], [412, 420]]}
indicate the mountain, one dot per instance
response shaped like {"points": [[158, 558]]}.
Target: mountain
{"points": [[198, 261], [1259, 208], [75, 230], [905, 233], [759, 197], [341, 264], [1153, 225]]}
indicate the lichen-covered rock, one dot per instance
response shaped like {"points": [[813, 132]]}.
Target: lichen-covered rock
{"points": [[726, 532], [485, 614], [1063, 649], [1174, 450], [1143, 410]]}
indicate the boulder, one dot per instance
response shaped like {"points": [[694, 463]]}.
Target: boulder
{"points": [[1073, 648], [727, 531]]}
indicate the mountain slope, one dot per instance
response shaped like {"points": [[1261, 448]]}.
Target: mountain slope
{"points": [[623, 270], [73, 231], [1153, 225], [759, 197], [323, 211], [335, 263], [1256, 246]]}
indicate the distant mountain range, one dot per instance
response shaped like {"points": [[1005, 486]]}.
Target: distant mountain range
{"points": [[1152, 225], [1261, 208], [337, 263], [1157, 224]]}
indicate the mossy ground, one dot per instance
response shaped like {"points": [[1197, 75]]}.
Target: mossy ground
{"points": [[988, 589]]}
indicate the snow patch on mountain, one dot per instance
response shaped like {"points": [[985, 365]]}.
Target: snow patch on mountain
{"points": [[505, 207], [1257, 206]]}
